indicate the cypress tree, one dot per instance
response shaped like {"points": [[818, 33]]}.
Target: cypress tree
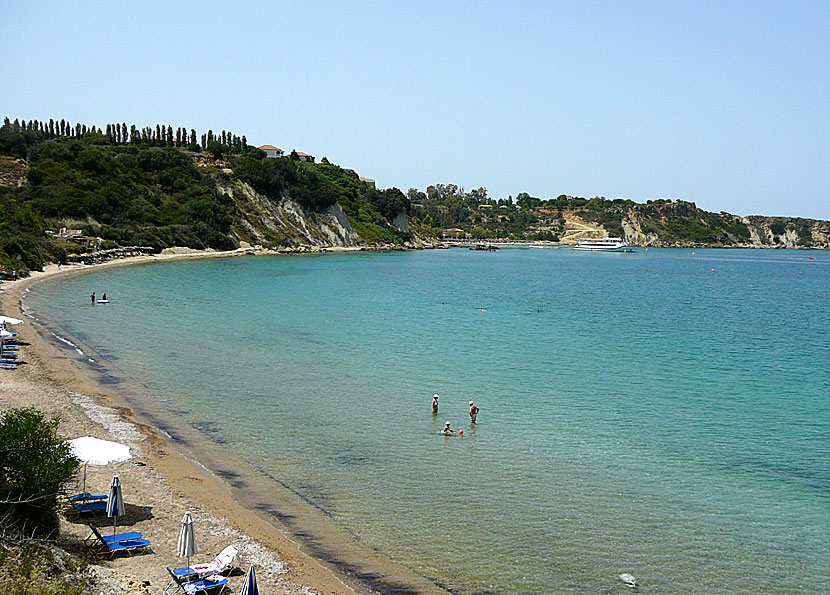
{"points": [[6, 121], [170, 135], [192, 136], [51, 126], [124, 133], [16, 126], [244, 142]]}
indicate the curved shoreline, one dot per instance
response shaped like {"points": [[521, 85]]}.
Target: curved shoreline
{"points": [[56, 384]]}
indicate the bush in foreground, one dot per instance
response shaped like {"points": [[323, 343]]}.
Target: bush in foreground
{"points": [[36, 467]]}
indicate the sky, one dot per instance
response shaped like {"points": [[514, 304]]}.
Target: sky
{"points": [[726, 104]]}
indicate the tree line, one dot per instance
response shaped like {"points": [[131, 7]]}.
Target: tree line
{"points": [[162, 135]]}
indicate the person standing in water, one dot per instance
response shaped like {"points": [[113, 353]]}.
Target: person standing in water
{"points": [[435, 404], [92, 298], [473, 412]]}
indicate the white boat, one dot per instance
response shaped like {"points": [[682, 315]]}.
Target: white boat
{"points": [[602, 245]]}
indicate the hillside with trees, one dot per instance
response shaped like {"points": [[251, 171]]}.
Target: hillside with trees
{"points": [[567, 219], [158, 187], [161, 186]]}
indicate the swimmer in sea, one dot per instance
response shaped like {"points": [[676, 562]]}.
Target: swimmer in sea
{"points": [[92, 298], [473, 412], [447, 429], [435, 404]]}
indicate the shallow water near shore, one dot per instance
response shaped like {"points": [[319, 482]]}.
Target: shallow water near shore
{"points": [[653, 417]]}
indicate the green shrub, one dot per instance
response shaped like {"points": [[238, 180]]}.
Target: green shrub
{"points": [[36, 467]]}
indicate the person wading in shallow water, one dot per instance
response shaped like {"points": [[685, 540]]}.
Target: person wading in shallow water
{"points": [[435, 404], [92, 298], [473, 412]]}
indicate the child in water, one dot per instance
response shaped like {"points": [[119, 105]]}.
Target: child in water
{"points": [[447, 429]]}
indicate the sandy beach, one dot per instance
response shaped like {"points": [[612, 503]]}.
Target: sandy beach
{"points": [[161, 481]]}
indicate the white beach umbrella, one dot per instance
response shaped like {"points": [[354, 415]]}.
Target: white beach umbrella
{"points": [[249, 587], [93, 451], [115, 502], [186, 546]]}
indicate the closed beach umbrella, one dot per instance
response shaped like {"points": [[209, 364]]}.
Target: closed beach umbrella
{"points": [[249, 587], [3, 334], [93, 451], [115, 502], [186, 546]]}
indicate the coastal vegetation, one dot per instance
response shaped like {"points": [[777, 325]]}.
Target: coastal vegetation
{"points": [[144, 187], [36, 467], [161, 186]]}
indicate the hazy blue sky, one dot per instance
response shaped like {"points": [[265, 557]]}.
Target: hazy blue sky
{"points": [[722, 103]]}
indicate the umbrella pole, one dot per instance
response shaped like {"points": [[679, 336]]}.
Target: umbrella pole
{"points": [[84, 492]]}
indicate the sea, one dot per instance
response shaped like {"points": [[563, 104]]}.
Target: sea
{"points": [[663, 413]]}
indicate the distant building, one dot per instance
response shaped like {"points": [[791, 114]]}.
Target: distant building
{"points": [[305, 157], [366, 180], [272, 151], [453, 232]]}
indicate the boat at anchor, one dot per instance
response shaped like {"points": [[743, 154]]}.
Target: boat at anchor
{"points": [[602, 245]]}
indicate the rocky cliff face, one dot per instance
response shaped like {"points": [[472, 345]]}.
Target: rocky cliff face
{"points": [[682, 223], [284, 223], [788, 232]]}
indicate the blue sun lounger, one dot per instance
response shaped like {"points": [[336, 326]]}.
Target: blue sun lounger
{"points": [[102, 547], [194, 587], [85, 507], [8, 364], [87, 497], [117, 538]]}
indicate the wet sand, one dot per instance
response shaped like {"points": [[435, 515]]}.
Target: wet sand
{"points": [[165, 478]]}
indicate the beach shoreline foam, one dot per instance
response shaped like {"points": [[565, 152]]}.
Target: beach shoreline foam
{"points": [[165, 478]]}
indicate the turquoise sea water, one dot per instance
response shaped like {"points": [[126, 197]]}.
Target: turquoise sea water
{"points": [[653, 417]]}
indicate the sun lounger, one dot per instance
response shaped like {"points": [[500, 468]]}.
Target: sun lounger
{"points": [[193, 587], [117, 538], [109, 549], [87, 507], [218, 565], [9, 365], [87, 497]]}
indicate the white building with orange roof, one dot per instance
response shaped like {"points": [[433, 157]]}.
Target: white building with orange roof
{"points": [[272, 151]]}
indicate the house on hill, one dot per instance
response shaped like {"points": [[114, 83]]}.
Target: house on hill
{"points": [[304, 156], [366, 180], [272, 151]]}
